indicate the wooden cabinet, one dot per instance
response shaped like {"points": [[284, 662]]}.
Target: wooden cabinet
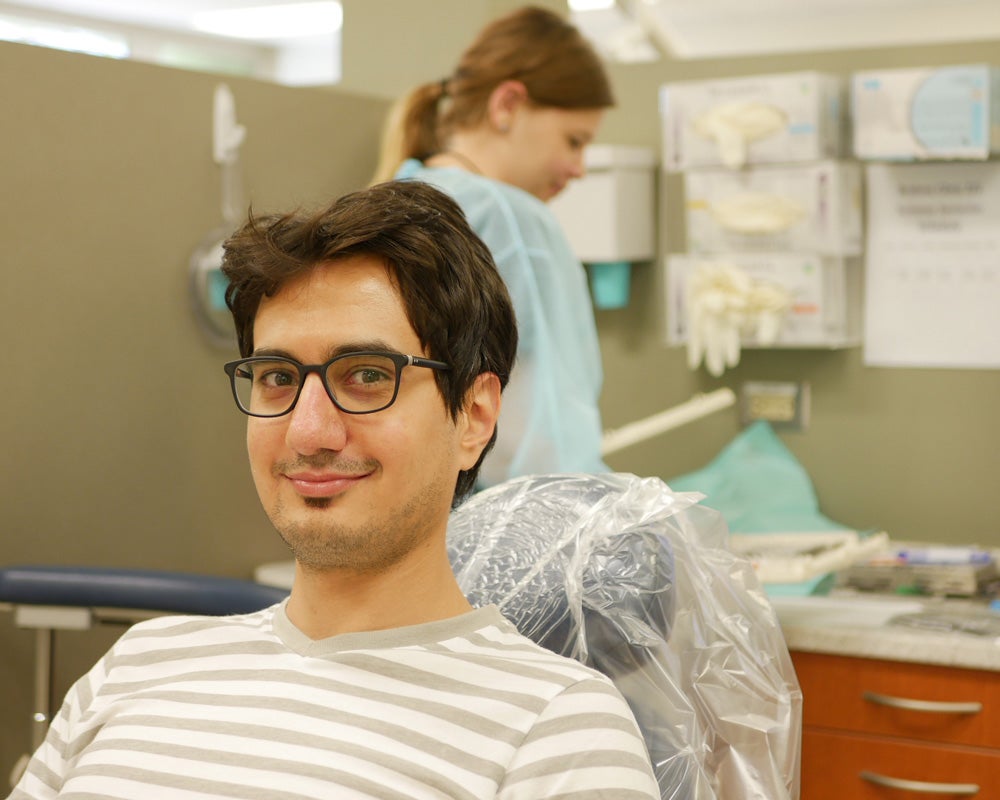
{"points": [[891, 730]]}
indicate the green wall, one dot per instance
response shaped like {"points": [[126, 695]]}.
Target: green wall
{"points": [[122, 445]]}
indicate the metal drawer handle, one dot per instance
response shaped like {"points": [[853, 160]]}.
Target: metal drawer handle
{"points": [[929, 706], [923, 787]]}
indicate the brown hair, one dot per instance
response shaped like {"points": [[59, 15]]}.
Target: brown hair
{"points": [[454, 297], [553, 60]]}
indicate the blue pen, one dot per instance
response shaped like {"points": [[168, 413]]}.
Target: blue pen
{"points": [[945, 555]]}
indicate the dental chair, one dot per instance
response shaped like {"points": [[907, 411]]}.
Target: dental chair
{"points": [[637, 581], [53, 598]]}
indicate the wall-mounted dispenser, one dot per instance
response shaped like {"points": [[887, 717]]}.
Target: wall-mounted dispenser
{"points": [[207, 283], [609, 218]]}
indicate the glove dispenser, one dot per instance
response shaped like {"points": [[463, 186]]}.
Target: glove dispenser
{"points": [[773, 217]]}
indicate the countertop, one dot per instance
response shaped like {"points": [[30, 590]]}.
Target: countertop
{"points": [[862, 624]]}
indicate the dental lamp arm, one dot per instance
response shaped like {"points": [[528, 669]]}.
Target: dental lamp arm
{"points": [[697, 407]]}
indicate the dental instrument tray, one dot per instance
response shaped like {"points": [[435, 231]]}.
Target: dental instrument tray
{"points": [[942, 571]]}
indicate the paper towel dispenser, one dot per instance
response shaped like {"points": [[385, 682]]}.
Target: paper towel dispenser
{"points": [[608, 215]]}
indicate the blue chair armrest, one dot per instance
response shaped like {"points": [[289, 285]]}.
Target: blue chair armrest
{"points": [[155, 590]]}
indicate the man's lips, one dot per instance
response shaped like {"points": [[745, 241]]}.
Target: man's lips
{"points": [[323, 484]]}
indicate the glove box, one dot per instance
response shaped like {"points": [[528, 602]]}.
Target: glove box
{"points": [[813, 208], [762, 119], [923, 114], [825, 309]]}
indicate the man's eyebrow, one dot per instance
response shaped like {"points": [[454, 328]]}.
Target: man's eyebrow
{"points": [[370, 345], [277, 352]]}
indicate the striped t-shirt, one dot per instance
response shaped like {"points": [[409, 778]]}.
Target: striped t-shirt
{"points": [[249, 707]]}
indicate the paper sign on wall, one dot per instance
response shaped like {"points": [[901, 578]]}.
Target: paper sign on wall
{"points": [[933, 266]]}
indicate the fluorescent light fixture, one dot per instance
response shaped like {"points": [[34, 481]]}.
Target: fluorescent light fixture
{"points": [[590, 5], [617, 36], [272, 22], [60, 37]]}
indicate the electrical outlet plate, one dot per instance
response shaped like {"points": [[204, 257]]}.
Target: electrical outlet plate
{"points": [[783, 404]]}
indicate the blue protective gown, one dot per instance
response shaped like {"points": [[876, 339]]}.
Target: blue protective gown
{"points": [[549, 421]]}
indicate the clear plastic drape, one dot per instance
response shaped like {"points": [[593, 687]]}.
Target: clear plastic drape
{"points": [[637, 581]]}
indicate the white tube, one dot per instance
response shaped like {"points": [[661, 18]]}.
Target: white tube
{"points": [[699, 406]]}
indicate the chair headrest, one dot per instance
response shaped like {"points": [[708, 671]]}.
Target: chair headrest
{"points": [[571, 560]]}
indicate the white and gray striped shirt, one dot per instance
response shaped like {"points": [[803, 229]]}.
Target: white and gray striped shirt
{"points": [[249, 707]]}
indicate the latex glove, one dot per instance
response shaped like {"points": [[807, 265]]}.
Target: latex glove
{"points": [[723, 304], [757, 213], [716, 310], [732, 125], [767, 305]]}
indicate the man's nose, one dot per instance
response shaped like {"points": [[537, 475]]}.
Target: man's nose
{"points": [[315, 423]]}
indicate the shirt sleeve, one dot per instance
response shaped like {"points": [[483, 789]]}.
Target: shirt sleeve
{"points": [[45, 773], [584, 746]]}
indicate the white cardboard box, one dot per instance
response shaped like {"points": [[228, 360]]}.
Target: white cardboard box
{"points": [[809, 106], [608, 215], [930, 113], [803, 208], [826, 307]]}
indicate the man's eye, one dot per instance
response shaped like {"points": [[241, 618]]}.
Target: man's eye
{"points": [[369, 375], [276, 378]]}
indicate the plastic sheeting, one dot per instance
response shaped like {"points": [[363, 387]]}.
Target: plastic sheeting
{"points": [[636, 580]]}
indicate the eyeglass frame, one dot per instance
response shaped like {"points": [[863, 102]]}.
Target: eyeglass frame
{"points": [[401, 360]]}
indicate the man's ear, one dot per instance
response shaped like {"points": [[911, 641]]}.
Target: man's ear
{"points": [[479, 418], [504, 102]]}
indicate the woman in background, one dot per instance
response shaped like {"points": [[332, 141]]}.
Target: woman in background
{"points": [[503, 134]]}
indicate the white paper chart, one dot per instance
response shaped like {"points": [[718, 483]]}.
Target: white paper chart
{"points": [[933, 266]]}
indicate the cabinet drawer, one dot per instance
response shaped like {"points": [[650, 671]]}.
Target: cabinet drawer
{"points": [[833, 763], [875, 696]]}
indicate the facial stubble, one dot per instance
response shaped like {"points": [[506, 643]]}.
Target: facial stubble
{"points": [[377, 543]]}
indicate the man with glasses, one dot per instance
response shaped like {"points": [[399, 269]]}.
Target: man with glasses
{"points": [[376, 336]]}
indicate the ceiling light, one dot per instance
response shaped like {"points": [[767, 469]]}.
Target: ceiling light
{"points": [[590, 5], [272, 22]]}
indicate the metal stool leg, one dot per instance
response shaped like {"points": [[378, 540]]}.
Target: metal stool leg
{"points": [[44, 651], [44, 646]]}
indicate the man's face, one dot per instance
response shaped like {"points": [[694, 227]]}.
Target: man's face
{"points": [[351, 491]]}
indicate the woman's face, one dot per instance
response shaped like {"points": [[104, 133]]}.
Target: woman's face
{"points": [[546, 147]]}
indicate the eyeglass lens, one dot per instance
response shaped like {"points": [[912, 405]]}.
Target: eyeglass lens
{"points": [[360, 383]]}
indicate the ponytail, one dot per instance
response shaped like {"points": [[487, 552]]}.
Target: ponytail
{"points": [[411, 129]]}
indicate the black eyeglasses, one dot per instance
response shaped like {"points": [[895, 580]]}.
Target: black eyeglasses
{"points": [[357, 383]]}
